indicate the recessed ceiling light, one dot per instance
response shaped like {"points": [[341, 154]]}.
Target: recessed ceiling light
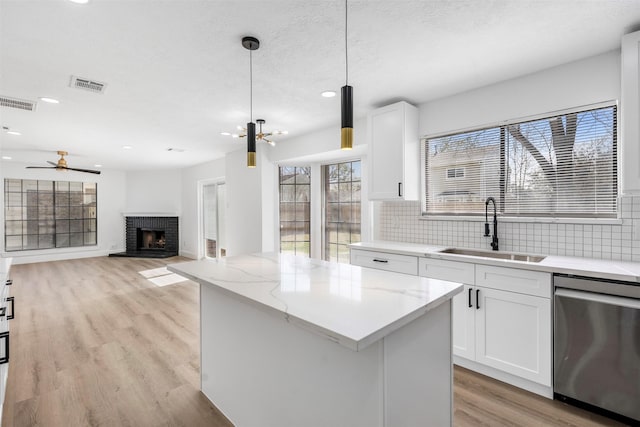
{"points": [[127, 147], [49, 100], [328, 93], [79, 1], [6, 158], [13, 132], [225, 133], [97, 166]]}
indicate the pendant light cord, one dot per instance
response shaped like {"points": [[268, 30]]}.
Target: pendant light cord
{"points": [[346, 54], [250, 86]]}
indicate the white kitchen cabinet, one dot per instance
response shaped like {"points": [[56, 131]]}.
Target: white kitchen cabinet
{"points": [[385, 261], [629, 113], [503, 317], [394, 154], [513, 333], [464, 324]]}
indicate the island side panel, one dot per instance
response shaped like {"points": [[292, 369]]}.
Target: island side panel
{"points": [[260, 370], [418, 371]]}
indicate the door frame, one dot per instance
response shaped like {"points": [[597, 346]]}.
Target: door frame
{"points": [[200, 188]]}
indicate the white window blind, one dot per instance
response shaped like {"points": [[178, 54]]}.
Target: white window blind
{"points": [[563, 165]]}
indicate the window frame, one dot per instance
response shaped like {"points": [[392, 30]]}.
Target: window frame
{"points": [[57, 222], [502, 126], [295, 203], [323, 172]]}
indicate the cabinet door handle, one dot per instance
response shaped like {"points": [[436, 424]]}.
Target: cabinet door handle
{"points": [[13, 307], [399, 189], [9, 282], [477, 299], [470, 290], [5, 335], [384, 261]]}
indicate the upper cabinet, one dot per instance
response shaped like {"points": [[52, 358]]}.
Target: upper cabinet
{"points": [[394, 154], [629, 113]]}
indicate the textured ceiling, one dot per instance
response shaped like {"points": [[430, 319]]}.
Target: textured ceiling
{"points": [[177, 74]]}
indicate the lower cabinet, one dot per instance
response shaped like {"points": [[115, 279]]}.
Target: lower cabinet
{"points": [[508, 331], [512, 333]]}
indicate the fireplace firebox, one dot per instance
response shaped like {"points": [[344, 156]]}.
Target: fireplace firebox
{"points": [[150, 237]]}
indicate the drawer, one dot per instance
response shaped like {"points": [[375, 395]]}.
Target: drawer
{"points": [[454, 271], [527, 282], [385, 261]]}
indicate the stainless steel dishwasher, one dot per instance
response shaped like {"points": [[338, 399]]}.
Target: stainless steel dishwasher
{"points": [[597, 345]]}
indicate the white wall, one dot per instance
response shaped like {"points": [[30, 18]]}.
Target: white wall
{"points": [[245, 202], [589, 81], [155, 191], [571, 85], [191, 180], [111, 203]]}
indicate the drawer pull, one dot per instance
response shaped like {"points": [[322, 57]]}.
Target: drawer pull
{"points": [[384, 261], [5, 335], [13, 307], [9, 282]]}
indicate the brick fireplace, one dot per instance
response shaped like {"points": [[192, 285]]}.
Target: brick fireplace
{"points": [[150, 237]]}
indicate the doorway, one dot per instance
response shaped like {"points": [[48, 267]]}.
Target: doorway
{"points": [[213, 220]]}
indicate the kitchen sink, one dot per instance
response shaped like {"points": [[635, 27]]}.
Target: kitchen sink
{"points": [[498, 255]]}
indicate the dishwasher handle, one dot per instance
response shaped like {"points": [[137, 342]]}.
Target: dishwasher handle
{"points": [[601, 298]]}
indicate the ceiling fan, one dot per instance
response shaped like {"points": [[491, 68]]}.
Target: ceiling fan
{"points": [[260, 135], [62, 165]]}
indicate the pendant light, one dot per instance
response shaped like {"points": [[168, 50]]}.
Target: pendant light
{"points": [[346, 135], [251, 44]]}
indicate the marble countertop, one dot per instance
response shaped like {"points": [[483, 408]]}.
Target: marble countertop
{"points": [[351, 305], [604, 269]]}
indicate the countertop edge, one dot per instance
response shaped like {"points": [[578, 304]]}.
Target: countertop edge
{"points": [[548, 265]]}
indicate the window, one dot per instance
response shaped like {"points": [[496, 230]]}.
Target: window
{"points": [[295, 210], [562, 165], [454, 173], [49, 214], [342, 209]]}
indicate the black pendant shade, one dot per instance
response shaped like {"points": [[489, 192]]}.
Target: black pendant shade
{"points": [[251, 145], [346, 134]]}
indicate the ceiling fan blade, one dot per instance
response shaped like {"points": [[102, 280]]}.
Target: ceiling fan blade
{"points": [[52, 163], [41, 167], [83, 170]]}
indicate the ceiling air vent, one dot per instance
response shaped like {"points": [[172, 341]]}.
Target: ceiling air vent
{"points": [[20, 104], [87, 84]]}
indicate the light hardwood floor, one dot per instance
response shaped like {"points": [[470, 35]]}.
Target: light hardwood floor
{"points": [[94, 343]]}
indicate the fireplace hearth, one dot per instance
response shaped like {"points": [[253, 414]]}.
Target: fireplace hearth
{"points": [[150, 237]]}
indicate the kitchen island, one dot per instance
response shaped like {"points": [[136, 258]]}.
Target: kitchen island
{"points": [[293, 341]]}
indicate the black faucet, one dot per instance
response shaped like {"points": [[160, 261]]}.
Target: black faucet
{"points": [[494, 239]]}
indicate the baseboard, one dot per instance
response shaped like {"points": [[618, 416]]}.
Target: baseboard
{"points": [[522, 383], [18, 258], [188, 254]]}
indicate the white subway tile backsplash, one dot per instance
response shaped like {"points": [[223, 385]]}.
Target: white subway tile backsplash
{"points": [[400, 221]]}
